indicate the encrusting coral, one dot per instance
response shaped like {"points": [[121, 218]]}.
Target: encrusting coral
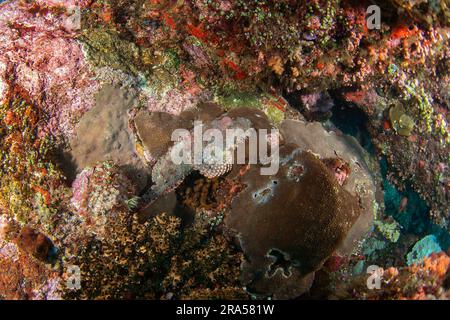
{"points": [[289, 223]]}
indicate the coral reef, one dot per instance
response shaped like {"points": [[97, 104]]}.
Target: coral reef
{"points": [[154, 260], [92, 91], [425, 280], [362, 180]]}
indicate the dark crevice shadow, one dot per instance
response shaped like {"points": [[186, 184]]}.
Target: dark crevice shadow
{"points": [[65, 161]]}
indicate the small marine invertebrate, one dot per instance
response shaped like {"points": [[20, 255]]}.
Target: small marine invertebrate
{"points": [[296, 171], [339, 167], [276, 64]]}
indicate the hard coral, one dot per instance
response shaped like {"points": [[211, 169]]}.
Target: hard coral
{"points": [[154, 259], [356, 168], [92, 142], [289, 223]]}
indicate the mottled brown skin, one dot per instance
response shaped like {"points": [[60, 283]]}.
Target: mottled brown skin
{"points": [[257, 117], [155, 129], [305, 218], [208, 111]]}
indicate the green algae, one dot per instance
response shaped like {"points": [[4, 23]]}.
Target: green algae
{"points": [[106, 48], [390, 229], [402, 123], [26, 172], [235, 99]]}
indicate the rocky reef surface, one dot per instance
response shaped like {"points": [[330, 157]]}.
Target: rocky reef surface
{"points": [[93, 205]]}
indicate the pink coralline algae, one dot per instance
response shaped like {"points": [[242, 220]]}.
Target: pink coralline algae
{"points": [[8, 251], [79, 186], [39, 54], [176, 101], [98, 193], [64, 3]]}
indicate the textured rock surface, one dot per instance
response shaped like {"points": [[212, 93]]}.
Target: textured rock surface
{"points": [[47, 62], [103, 134]]}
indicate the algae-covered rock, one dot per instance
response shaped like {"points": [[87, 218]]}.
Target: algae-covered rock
{"points": [[390, 229], [107, 48], [35, 243], [103, 134], [401, 122]]}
